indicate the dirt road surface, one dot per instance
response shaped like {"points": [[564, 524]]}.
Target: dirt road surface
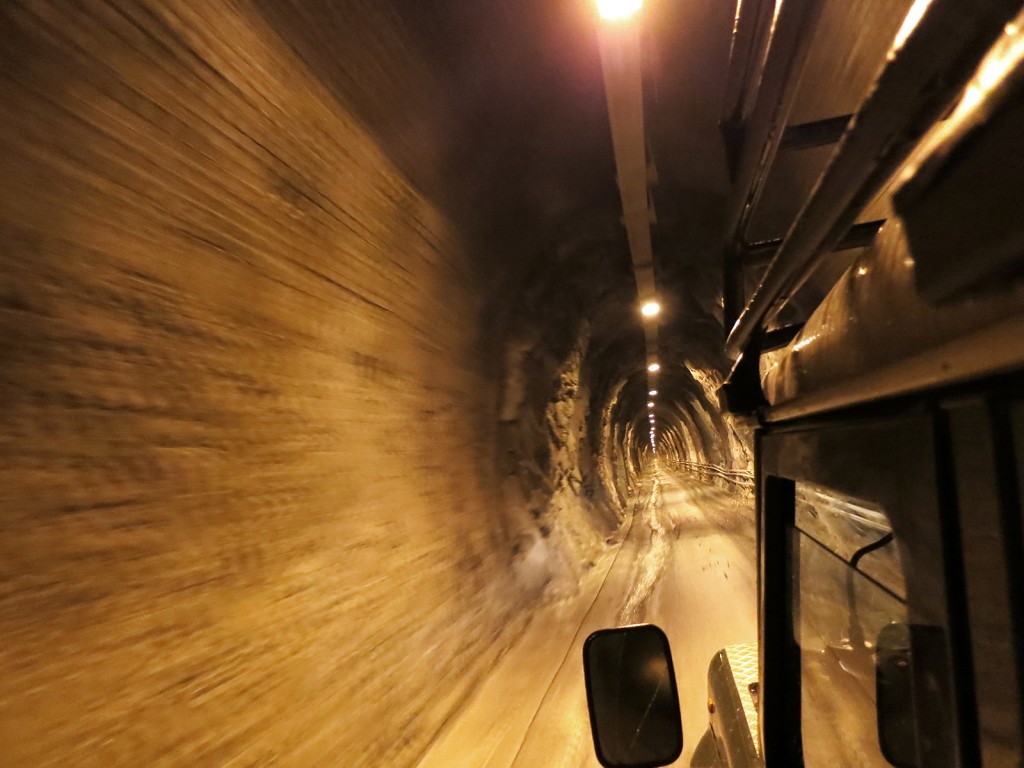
{"points": [[686, 563]]}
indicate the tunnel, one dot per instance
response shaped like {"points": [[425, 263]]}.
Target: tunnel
{"points": [[326, 388]]}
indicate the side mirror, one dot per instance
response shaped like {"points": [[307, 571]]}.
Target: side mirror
{"points": [[632, 697], [894, 696]]}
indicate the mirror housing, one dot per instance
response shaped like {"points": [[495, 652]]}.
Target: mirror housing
{"points": [[632, 697], [894, 695]]}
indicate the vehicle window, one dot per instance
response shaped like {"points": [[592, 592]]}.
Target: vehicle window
{"points": [[849, 587], [845, 525]]}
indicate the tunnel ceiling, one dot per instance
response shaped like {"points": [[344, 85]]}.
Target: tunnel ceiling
{"points": [[507, 125]]}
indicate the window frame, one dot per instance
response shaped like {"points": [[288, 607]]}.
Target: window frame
{"points": [[860, 454]]}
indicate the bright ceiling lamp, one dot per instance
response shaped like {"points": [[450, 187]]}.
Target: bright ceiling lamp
{"points": [[650, 309], [653, 367], [653, 392], [650, 405], [910, 22], [612, 10]]}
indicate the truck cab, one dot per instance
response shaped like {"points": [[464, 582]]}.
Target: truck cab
{"points": [[889, 411]]}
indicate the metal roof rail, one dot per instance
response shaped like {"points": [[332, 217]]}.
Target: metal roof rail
{"points": [[754, 119], [925, 72]]}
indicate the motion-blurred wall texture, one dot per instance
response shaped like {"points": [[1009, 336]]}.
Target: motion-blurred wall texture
{"points": [[249, 504]]}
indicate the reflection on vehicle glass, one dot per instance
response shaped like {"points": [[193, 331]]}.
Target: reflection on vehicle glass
{"points": [[845, 525], [840, 614], [895, 696]]}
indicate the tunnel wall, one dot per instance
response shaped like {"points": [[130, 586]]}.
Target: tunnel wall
{"points": [[551, 455], [248, 512]]}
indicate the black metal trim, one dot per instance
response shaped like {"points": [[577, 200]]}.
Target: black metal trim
{"points": [[742, 392], [780, 337], [859, 236], [732, 285], [867, 549], [818, 133], [962, 667], [779, 710], [750, 36], [1005, 454]]}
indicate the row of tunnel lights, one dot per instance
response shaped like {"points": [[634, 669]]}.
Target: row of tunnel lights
{"points": [[651, 309], [620, 10]]}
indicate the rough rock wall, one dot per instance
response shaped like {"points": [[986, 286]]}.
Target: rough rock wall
{"points": [[245, 516], [550, 460], [578, 520]]}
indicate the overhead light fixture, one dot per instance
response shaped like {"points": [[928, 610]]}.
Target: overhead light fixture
{"points": [[650, 405], [653, 367], [650, 309], [653, 392], [613, 10], [910, 22]]}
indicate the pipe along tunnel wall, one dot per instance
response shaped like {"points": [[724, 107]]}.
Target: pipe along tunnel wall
{"points": [[285, 466]]}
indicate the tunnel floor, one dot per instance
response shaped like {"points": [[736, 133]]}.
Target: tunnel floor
{"points": [[686, 563]]}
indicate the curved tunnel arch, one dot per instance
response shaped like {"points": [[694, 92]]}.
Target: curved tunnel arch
{"points": [[682, 406]]}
